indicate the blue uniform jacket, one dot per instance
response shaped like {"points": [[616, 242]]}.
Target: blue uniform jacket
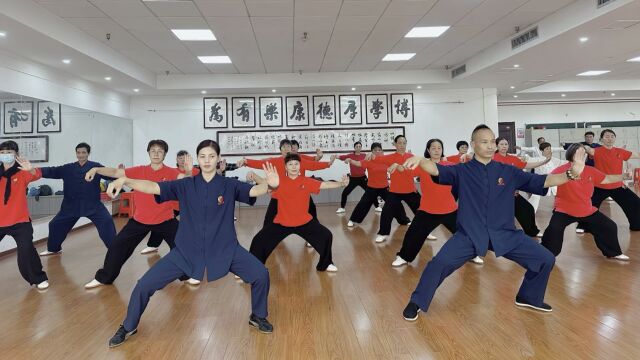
{"points": [[80, 197]]}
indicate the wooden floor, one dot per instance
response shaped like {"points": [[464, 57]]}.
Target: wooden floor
{"points": [[353, 314]]}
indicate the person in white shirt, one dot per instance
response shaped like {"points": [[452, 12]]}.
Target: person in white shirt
{"points": [[545, 149], [535, 151]]}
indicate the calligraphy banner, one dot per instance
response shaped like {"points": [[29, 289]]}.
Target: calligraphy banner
{"points": [[49, 117], [215, 113], [330, 140]]}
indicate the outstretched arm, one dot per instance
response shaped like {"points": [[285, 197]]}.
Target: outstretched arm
{"points": [[144, 186], [426, 164], [104, 171], [271, 180], [25, 165], [577, 166], [535, 164], [335, 184]]}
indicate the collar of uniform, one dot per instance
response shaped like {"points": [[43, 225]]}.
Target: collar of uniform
{"points": [[200, 179]]}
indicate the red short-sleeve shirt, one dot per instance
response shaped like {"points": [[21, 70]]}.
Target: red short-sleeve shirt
{"points": [[293, 200], [610, 162], [510, 160], [16, 210], [574, 197], [436, 198], [147, 210]]}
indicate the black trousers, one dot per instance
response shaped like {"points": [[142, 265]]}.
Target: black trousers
{"points": [[605, 232], [526, 216], [272, 210], [353, 183], [312, 232], [421, 226], [369, 198], [155, 239], [623, 196], [29, 262], [392, 206], [126, 242]]}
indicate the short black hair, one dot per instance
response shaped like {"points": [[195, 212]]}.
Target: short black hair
{"points": [[461, 143], [544, 145], [426, 151], [183, 153], [571, 151], [84, 145], [395, 140], [590, 133], [295, 142], [356, 143], [9, 145], [291, 157], [500, 138], [161, 143], [478, 128], [538, 140], [208, 143], [376, 145], [284, 142], [607, 131]]}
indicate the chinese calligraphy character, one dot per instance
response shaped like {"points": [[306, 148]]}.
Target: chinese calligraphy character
{"points": [[402, 108], [215, 115], [244, 112], [271, 112], [376, 108], [48, 120], [324, 111], [16, 116], [298, 111], [351, 109]]}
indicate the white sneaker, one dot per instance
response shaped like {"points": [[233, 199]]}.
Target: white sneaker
{"points": [[43, 285], [379, 209], [477, 260], [193, 281], [149, 250], [350, 223], [340, 211], [409, 223], [431, 237], [236, 276], [579, 231], [540, 234], [47, 253], [332, 268], [93, 284], [381, 238], [308, 245], [398, 261], [621, 257]]}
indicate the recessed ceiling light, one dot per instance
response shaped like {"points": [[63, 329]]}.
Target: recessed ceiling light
{"points": [[635, 59], [353, 89], [3, 34], [273, 90], [214, 59], [613, 94], [398, 57], [108, 78], [512, 87], [563, 95], [584, 39], [516, 66], [136, 90], [66, 61], [194, 34], [419, 87], [515, 96], [203, 92], [593, 73], [426, 31]]}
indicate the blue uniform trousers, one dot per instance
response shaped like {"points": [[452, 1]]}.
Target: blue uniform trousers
{"points": [[63, 222]]}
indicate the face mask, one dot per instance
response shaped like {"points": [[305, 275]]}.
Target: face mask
{"points": [[7, 158]]}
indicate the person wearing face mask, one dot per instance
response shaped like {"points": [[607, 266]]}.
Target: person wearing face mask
{"points": [[81, 199], [610, 160], [15, 175], [148, 216]]}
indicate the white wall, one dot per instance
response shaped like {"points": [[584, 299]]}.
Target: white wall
{"points": [[449, 115]]}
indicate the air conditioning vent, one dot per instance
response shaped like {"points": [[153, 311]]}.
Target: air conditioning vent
{"points": [[602, 3], [524, 38], [458, 71]]}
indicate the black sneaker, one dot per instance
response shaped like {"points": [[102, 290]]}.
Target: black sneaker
{"points": [[524, 304], [121, 336], [262, 324], [410, 312]]}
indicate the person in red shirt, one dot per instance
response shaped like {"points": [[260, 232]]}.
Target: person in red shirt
{"points": [[15, 175], [278, 163], [525, 213], [357, 176], [155, 239], [295, 147], [377, 186], [609, 160], [573, 203], [293, 216], [402, 188], [437, 206], [148, 215], [463, 148]]}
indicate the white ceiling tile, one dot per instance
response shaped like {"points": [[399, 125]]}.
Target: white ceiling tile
{"points": [[409, 7], [448, 13], [453, 38], [186, 22], [236, 35], [222, 68], [548, 6], [173, 8], [348, 35], [222, 8], [73, 9], [308, 55], [490, 11], [317, 8], [149, 59], [276, 8], [148, 24], [274, 36], [122, 8], [363, 7], [205, 48]]}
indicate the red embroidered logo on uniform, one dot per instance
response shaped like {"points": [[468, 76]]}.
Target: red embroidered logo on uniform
{"points": [[501, 181], [220, 200]]}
